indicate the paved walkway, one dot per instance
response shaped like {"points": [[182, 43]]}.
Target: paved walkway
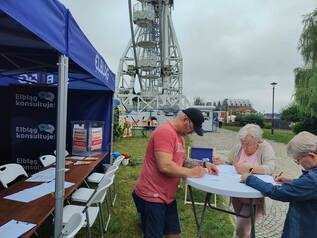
{"points": [[222, 141]]}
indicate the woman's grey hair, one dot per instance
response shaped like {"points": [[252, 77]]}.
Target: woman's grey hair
{"points": [[302, 144], [252, 130]]}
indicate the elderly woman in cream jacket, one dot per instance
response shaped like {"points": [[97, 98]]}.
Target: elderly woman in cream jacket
{"points": [[251, 154]]}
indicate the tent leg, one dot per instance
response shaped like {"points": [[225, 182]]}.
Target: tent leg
{"points": [[60, 142]]}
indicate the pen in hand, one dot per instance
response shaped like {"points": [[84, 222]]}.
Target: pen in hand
{"points": [[280, 174], [251, 170], [277, 176]]}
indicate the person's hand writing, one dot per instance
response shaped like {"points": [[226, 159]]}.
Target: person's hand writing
{"points": [[241, 168], [282, 179], [197, 172], [212, 169], [217, 160]]}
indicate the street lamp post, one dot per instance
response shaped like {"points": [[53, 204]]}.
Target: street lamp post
{"points": [[273, 85]]}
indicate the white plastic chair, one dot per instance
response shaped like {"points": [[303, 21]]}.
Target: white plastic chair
{"points": [[47, 160], [118, 160], [66, 153], [83, 194], [96, 196], [97, 177], [9, 172], [74, 224]]}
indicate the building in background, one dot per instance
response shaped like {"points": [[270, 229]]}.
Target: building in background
{"points": [[233, 106]]}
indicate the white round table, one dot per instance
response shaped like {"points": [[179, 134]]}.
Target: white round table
{"points": [[227, 183]]}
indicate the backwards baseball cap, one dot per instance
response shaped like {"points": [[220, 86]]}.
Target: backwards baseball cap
{"points": [[197, 119]]}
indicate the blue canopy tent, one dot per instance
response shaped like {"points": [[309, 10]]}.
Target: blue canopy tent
{"points": [[36, 35]]}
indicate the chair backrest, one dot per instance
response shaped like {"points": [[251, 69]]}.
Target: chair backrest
{"points": [[112, 169], [47, 160], [74, 224], [100, 192], [105, 180], [118, 160], [200, 153], [9, 172], [66, 153]]}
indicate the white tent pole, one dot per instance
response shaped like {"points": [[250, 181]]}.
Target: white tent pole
{"points": [[112, 124], [60, 142]]}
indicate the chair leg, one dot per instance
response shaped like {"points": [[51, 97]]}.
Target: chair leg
{"points": [[114, 193], [109, 191], [85, 182], [101, 217], [101, 222], [185, 199], [109, 216], [87, 224]]}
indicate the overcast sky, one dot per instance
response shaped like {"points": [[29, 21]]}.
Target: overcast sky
{"points": [[231, 48]]}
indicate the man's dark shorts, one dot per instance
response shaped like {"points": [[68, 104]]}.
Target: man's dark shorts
{"points": [[157, 219]]}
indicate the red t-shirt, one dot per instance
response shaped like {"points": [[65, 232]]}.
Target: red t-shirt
{"points": [[152, 185]]}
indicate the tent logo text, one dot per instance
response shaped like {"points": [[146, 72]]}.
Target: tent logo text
{"points": [[43, 131], [101, 66], [42, 100]]}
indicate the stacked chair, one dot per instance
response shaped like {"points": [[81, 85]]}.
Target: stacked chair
{"points": [[90, 197], [47, 160], [96, 177], [92, 200], [10, 172]]}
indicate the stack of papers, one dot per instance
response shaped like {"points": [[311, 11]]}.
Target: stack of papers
{"points": [[15, 228], [30, 194]]}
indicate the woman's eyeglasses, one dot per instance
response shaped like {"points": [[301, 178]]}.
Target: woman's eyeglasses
{"points": [[299, 159]]}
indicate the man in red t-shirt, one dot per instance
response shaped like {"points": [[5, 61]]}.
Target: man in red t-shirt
{"points": [[164, 166]]}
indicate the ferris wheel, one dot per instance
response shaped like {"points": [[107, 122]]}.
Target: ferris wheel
{"points": [[150, 72]]}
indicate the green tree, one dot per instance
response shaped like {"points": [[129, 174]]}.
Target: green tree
{"points": [[117, 130], [306, 77], [244, 119], [291, 114]]}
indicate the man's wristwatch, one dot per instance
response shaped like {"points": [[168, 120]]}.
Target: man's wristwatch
{"points": [[204, 164]]}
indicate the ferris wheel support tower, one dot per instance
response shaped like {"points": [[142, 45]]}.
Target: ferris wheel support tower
{"points": [[150, 72]]}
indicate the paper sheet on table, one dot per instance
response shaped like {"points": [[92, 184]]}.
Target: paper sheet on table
{"points": [[76, 157], [266, 178], [35, 192], [227, 170], [46, 175], [91, 158], [15, 228]]}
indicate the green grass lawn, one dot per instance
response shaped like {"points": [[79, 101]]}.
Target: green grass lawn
{"points": [[282, 136]]}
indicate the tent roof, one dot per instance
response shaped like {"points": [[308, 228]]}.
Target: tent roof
{"points": [[32, 37]]}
